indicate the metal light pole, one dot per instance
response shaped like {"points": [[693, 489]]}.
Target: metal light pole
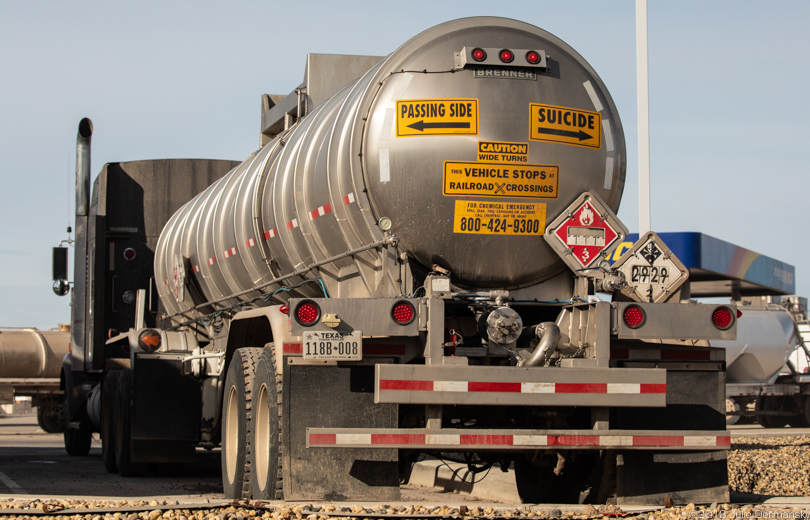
{"points": [[643, 88]]}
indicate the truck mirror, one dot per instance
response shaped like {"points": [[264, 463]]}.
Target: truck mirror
{"points": [[60, 263], [61, 287]]}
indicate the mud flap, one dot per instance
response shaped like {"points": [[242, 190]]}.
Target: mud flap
{"points": [[318, 396]]}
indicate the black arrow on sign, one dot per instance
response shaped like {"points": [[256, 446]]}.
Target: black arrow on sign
{"points": [[422, 126], [582, 136]]}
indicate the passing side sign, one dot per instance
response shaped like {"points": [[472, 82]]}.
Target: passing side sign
{"points": [[417, 117]]}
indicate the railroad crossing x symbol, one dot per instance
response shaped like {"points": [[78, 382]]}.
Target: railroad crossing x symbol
{"points": [[499, 188]]}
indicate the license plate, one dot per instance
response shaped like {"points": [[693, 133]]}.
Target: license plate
{"points": [[333, 345]]}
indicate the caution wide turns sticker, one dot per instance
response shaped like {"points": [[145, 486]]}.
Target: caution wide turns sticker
{"points": [[501, 180], [417, 117], [499, 218]]}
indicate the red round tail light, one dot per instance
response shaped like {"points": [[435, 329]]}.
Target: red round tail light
{"points": [[533, 57], [506, 56], [403, 312], [723, 318], [634, 316], [307, 313], [479, 54]]}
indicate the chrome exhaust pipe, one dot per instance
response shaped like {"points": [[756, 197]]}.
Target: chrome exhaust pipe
{"points": [[83, 167]]}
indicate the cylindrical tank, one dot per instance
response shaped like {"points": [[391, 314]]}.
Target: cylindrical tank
{"points": [[321, 188], [31, 353], [765, 338]]}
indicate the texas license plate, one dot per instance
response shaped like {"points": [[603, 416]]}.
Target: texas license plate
{"points": [[333, 345]]}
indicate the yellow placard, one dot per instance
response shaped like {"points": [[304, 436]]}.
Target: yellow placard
{"points": [[565, 125], [503, 152], [499, 218], [437, 117], [532, 181]]}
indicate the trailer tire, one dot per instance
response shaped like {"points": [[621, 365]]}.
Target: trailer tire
{"points": [[123, 427], [770, 404], [77, 441], [108, 431], [48, 417], [237, 423], [540, 485], [266, 479]]}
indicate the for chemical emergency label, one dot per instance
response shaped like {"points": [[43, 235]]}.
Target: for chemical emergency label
{"points": [[499, 218], [501, 180], [501, 152], [437, 117], [565, 125]]}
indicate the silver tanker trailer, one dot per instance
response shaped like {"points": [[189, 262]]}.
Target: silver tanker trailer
{"points": [[30, 364], [407, 266]]}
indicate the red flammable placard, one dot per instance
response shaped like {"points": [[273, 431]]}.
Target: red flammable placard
{"points": [[586, 234]]}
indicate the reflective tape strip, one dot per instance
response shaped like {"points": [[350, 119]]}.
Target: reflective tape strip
{"points": [[292, 224], [270, 234], [250, 243], [165, 282], [319, 212], [230, 252], [196, 268], [405, 438], [348, 199], [212, 261], [523, 388], [293, 348]]}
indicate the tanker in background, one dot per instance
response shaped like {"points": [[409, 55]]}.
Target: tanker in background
{"points": [[30, 364], [768, 379], [408, 265]]}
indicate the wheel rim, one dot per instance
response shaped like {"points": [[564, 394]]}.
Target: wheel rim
{"points": [[231, 434], [262, 426]]}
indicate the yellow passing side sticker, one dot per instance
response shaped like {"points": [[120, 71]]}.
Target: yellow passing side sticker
{"points": [[437, 117], [499, 218], [503, 152], [533, 181], [565, 125]]}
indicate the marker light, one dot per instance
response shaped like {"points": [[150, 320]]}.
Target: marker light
{"points": [[723, 318], [149, 340], [129, 253], [403, 312], [285, 309], [506, 56], [634, 316], [479, 54], [307, 313], [533, 57]]}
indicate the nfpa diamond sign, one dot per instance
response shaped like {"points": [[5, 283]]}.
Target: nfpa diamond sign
{"points": [[652, 271], [586, 232]]}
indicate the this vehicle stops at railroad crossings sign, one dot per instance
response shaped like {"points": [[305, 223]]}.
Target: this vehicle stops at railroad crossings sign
{"points": [[585, 232], [652, 271]]}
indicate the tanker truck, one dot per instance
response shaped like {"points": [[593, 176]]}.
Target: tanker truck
{"points": [[408, 266], [30, 363]]}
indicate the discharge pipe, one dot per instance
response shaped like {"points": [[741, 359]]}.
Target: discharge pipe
{"points": [[549, 334]]}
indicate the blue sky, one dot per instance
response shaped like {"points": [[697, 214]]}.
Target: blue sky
{"points": [[728, 105]]}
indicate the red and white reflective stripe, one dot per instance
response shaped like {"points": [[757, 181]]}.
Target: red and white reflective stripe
{"points": [[196, 268], [319, 212], [270, 234], [250, 243], [478, 440], [292, 224], [348, 199], [212, 261], [668, 354], [522, 388], [230, 252], [165, 282]]}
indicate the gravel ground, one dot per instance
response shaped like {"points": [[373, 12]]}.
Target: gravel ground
{"points": [[775, 466]]}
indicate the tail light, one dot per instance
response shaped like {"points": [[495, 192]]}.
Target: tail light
{"points": [[533, 57], [479, 54], [506, 56], [634, 316], [723, 318], [403, 312], [307, 313]]}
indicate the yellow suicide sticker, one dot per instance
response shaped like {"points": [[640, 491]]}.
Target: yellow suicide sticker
{"points": [[565, 125], [501, 152], [499, 218], [437, 117], [533, 181]]}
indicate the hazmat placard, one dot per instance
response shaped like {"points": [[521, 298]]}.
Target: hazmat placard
{"points": [[503, 152], [437, 117], [501, 180], [499, 218], [565, 125]]}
